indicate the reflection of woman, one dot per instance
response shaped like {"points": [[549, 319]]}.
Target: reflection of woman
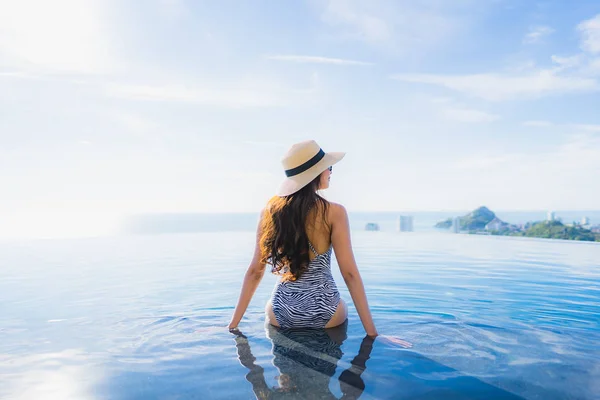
{"points": [[306, 359], [297, 232]]}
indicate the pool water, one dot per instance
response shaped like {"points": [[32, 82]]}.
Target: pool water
{"points": [[144, 317]]}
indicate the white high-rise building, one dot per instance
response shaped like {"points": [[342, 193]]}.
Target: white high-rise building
{"points": [[550, 216], [405, 223], [585, 221], [456, 224]]}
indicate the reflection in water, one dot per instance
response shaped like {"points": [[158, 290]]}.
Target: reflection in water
{"points": [[306, 359]]}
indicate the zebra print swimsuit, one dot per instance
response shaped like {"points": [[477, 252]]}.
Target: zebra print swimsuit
{"points": [[311, 300]]}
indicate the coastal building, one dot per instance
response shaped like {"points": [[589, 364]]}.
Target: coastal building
{"points": [[585, 221], [495, 225], [456, 224], [550, 216], [405, 223], [371, 226]]}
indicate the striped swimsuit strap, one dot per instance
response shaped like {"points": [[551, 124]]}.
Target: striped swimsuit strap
{"points": [[312, 248]]}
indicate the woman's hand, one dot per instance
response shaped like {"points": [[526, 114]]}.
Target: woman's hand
{"points": [[373, 334]]}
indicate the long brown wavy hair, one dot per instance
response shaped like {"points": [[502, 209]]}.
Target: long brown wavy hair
{"points": [[284, 242]]}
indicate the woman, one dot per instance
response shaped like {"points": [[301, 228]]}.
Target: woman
{"points": [[297, 231]]}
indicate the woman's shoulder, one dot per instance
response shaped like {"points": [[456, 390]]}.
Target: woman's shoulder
{"points": [[336, 212], [336, 206]]}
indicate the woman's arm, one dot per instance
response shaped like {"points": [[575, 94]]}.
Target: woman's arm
{"points": [[253, 276], [340, 238]]}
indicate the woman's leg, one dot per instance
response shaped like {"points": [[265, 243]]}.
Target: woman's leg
{"points": [[341, 315], [270, 315]]}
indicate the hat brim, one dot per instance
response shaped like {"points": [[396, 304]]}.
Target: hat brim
{"points": [[292, 184]]}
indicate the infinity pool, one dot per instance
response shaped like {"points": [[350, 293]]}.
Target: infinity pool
{"points": [[144, 317]]}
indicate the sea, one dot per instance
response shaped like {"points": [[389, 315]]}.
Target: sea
{"points": [[143, 314]]}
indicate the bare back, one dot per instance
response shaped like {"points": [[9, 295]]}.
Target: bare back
{"points": [[318, 230]]}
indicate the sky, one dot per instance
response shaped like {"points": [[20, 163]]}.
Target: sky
{"points": [[118, 107]]}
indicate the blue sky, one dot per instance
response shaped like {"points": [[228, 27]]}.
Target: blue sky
{"points": [[109, 108]]}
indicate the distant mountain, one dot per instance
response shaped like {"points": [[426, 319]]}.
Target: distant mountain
{"points": [[475, 220]]}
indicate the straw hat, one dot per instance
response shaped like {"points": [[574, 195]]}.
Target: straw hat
{"points": [[302, 163]]}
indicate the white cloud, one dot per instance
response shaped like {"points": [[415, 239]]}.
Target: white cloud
{"points": [[453, 110], [548, 176], [181, 93], [134, 123], [531, 180], [229, 96], [58, 36], [593, 67], [442, 100], [590, 32], [468, 115], [539, 124], [567, 62], [316, 60], [172, 9], [397, 25], [498, 86], [372, 28], [585, 63], [482, 161], [536, 34], [16, 74], [569, 74], [587, 127], [575, 127], [579, 151]]}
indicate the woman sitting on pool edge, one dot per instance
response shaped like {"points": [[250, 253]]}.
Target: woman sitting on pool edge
{"points": [[297, 231]]}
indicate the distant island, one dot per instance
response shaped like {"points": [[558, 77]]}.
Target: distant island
{"points": [[485, 221], [371, 226]]}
